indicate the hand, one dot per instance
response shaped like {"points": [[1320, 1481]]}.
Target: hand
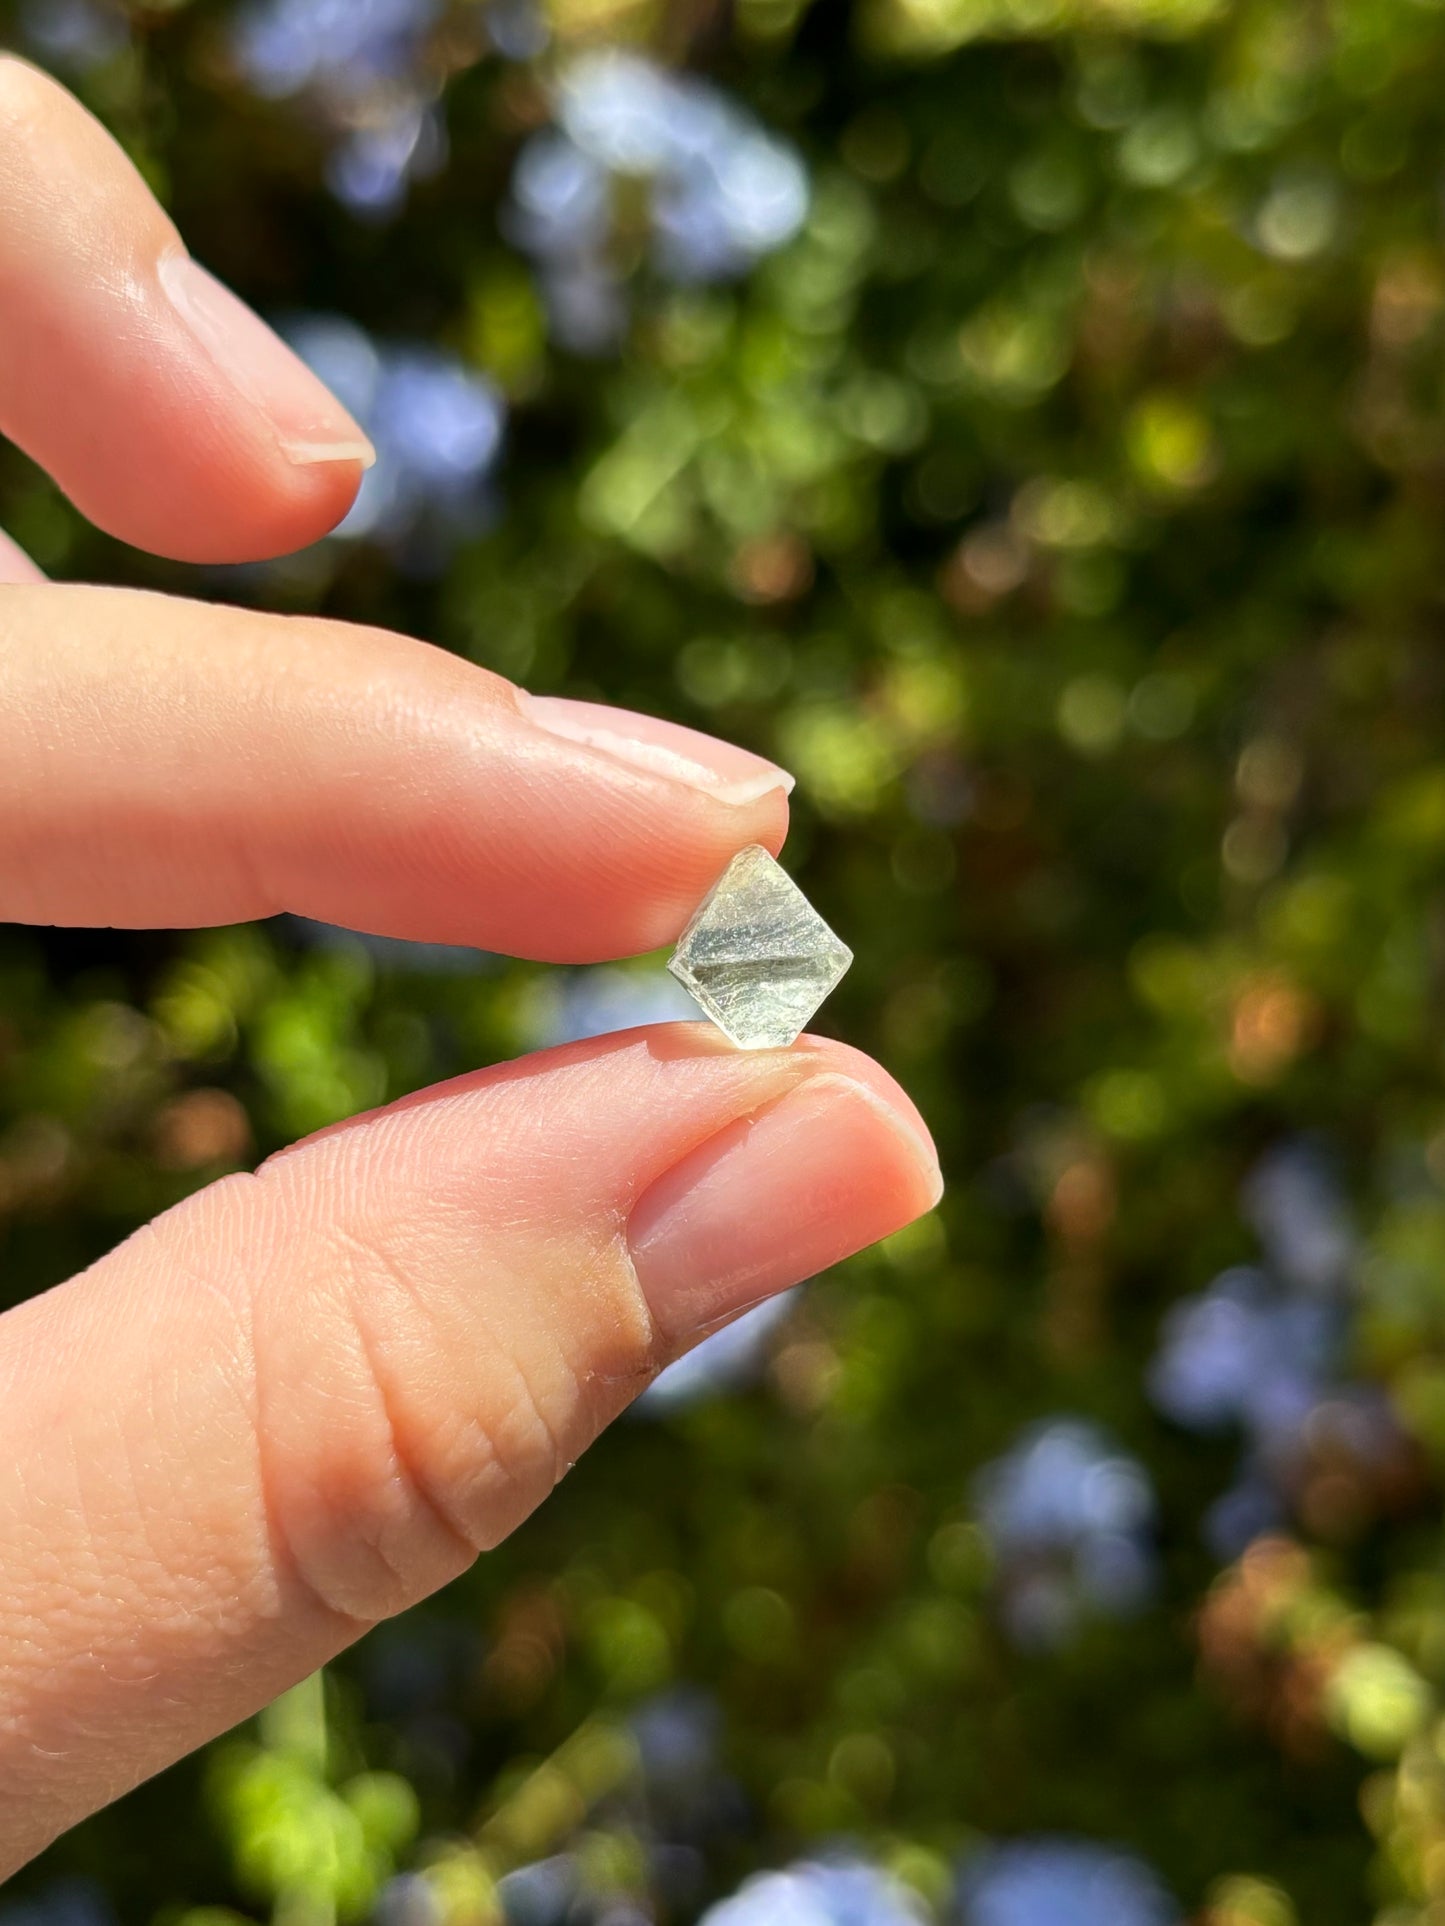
{"points": [[308, 1396]]}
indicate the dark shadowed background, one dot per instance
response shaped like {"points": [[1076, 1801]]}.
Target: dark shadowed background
{"points": [[1025, 419]]}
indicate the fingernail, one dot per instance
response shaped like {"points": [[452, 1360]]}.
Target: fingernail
{"points": [[664, 748], [776, 1198], [310, 423]]}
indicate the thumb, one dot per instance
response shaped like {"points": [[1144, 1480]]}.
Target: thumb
{"points": [[305, 1398]]}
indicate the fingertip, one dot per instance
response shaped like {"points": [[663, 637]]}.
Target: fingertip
{"points": [[163, 405], [287, 459], [771, 815], [288, 506], [859, 1068], [246, 504], [311, 426], [718, 768], [776, 1196]]}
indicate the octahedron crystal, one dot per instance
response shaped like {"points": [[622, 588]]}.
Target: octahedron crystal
{"points": [[757, 956]]}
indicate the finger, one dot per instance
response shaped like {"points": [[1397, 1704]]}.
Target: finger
{"points": [[304, 1399], [15, 564], [166, 764], [166, 410]]}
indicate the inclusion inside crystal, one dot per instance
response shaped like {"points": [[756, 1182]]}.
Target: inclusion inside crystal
{"points": [[757, 956]]}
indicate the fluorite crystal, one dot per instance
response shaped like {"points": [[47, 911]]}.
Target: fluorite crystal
{"points": [[757, 956]]}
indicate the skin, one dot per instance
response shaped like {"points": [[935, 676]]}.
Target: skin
{"points": [[313, 1393]]}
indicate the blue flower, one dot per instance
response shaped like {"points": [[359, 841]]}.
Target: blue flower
{"points": [[407, 1900], [1294, 1204], [437, 426], [844, 1892], [76, 34], [1243, 1352], [63, 1902], [392, 952], [1048, 1881], [722, 192], [677, 1736], [363, 66], [343, 47], [714, 218], [629, 115], [1069, 1516], [561, 196], [729, 1359], [369, 170], [1262, 1349], [540, 1894], [1251, 1506], [593, 1002], [439, 420]]}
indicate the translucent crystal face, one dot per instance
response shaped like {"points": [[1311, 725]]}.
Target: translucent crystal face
{"points": [[757, 956]]}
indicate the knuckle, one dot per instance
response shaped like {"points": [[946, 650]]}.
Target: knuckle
{"points": [[465, 1419], [349, 1505], [411, 1414], [427, 1368], [517, 1456]]}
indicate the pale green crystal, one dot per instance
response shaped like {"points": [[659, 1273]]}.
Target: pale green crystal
{"points": [[757, 956]]}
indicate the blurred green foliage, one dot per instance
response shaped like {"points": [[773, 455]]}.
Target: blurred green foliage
{"points": [[1064, 505]]}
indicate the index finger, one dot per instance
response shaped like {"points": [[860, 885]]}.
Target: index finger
{"points": [[169, 413], [166, 764]]}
